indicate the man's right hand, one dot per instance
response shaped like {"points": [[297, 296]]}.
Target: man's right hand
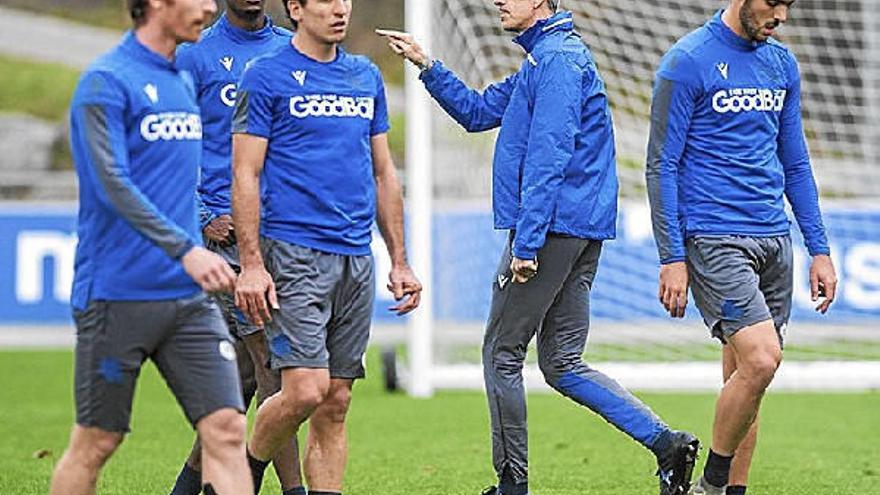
{"points": [[220, 230], [255, 295], [673, 288], [209, 270], [406, 46]]}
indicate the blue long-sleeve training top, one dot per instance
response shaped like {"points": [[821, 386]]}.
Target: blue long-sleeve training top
{"points": [[136, 139], [727, 142], [216, 63], [554, 165]]}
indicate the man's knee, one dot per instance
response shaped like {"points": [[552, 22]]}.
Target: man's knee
{"points": [[554, 366], [302, 394], [757, 353], [223, 429], [93, 446], [505, 361], [335, 406], [760, 366]]}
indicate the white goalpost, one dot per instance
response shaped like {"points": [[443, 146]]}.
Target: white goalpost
{"points": [[420, 204]]}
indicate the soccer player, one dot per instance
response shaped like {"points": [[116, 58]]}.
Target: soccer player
{"points": [[312, 120], [140, 266], [727, 143], [216, 63], [555, 191]]}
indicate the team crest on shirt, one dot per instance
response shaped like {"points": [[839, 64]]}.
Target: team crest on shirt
{"points": [[152, 92], [722, 68], [227, 63], [300, 76]]}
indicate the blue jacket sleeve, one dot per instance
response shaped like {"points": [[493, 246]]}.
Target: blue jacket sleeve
{"points": [[473, 110], [558, 87], [676, 90], [98, 119], [800, 186]]}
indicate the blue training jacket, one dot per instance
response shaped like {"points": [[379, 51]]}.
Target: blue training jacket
{"points": [[727, 142], [216, 63], [554, 167], [136, 137]]}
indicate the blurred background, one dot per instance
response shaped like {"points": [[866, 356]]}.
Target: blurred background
{"points": [[832, 362], [44, 44]]}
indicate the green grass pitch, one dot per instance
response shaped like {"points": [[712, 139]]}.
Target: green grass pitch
{"points": [[810, 443]]}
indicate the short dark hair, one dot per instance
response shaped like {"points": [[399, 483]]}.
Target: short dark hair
{"points": [[138, 11], [553, 4]]}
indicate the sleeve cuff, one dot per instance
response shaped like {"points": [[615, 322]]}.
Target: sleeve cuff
{"points": [[183, 249], [525, 253], [382, 129], [820, 251], [260, 133], [673, 259], [430, 75]]}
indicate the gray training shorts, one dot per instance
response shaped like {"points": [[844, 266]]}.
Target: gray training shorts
{"points": [[738, 281], [187, 340], [326, 308], [238, 323]]}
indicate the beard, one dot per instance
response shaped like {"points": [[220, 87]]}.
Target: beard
{"points": [[750, 26], [246, 15]]}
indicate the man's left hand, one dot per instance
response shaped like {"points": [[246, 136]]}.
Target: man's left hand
{"points": [[523, 270], [823, 281], [406, 288], [221, 230]]}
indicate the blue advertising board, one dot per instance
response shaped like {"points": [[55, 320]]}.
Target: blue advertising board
{"points": [[38, 243]]}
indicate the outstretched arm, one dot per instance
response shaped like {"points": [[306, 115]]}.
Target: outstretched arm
{"points": [[475, 111]]}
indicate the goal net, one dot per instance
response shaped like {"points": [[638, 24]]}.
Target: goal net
{"points": [[838, 47]]}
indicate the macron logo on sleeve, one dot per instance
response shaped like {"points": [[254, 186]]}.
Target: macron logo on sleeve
{"points": [[227, 63], [722, 68]]}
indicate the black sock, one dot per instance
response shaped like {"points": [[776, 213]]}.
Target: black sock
{"points": [[736, 490], [189, 482], [297, 490], [717, 469], [258, 468]]}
